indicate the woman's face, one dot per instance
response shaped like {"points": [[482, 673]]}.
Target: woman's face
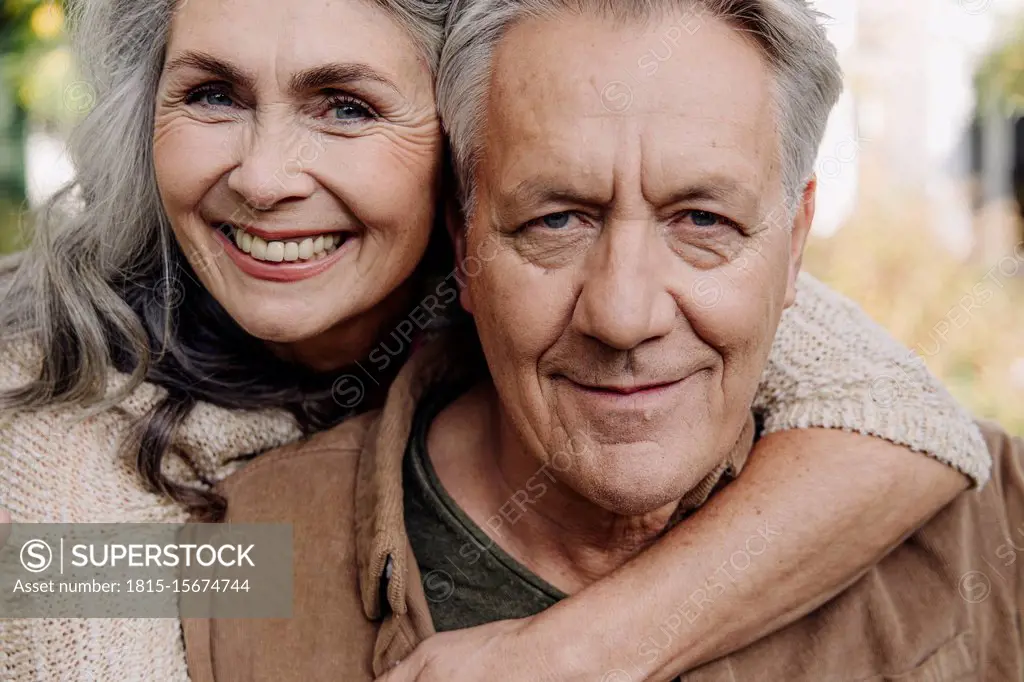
{"points": [[297, 151]]}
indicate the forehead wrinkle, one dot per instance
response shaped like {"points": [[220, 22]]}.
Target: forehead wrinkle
{"points": [[726, 159]]}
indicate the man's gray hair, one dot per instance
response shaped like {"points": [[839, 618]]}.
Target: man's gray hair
{"points": [[789, 32]]}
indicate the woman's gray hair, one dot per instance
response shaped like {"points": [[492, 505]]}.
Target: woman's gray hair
{"points": [[100, 284], [807, 73]]}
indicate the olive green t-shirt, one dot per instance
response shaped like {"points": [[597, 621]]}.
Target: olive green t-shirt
{"points": [[467, 578]]}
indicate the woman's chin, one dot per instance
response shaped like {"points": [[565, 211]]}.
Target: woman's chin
{"points": [[283, 329]]}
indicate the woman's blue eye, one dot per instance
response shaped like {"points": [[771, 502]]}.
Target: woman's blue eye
{"points": [[351, 111], [556, 221], [210, 98], [218, 99]]}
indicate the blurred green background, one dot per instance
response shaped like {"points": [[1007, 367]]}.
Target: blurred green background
{"points": [[884, 252], [35, 70]]}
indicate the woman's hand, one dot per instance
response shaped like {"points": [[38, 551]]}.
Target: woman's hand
{"points": [[507, 650]]}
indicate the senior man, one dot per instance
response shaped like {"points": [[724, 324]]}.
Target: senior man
{"points": [[635, 229]]}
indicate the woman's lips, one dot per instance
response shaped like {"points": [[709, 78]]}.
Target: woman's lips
{"points": [[291, 270]]}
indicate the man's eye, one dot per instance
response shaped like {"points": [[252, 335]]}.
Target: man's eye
{"points": [[704, 218], [210, 97], [555, 221]]}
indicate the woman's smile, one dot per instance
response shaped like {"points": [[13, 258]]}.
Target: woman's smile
{"points": [[287, 247], [284, 260]]}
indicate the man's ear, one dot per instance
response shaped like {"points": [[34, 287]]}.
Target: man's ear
{"points": [[798, 235], [457, 229]]}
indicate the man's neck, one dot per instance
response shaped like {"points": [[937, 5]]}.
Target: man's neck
{"points": [[520, 503]]}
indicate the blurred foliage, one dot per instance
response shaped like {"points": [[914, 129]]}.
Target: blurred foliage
{"points": [[35, 73], [963, 319], [36, 63], [1000, 77]]}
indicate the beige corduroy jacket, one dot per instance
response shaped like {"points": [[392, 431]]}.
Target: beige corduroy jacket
{"points": [[944, 606], [830, 367]]}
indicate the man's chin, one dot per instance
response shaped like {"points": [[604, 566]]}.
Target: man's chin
{"points": [[629, 491]]}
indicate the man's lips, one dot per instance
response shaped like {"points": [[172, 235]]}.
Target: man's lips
{"points": [[626, 390]]}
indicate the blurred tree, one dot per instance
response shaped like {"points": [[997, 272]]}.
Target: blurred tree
{"points": [[1000, 78], [1000, 87], [35, 72]]}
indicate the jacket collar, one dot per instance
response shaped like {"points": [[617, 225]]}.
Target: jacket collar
{"points": [[389, 577], [382, 546]]}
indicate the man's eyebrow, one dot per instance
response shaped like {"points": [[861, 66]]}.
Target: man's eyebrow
{"points": [[206, 62], [534, 190], [722, 189], [320, 77]]}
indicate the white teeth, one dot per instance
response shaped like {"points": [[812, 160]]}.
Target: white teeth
{"points": [[259, 249], [310, 248], [275, 252]]}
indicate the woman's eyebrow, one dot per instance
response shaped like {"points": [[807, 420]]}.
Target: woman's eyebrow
{"points": [[315, 78], [204, 61], [320, 77]]}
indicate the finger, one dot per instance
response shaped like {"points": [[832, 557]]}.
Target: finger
{"points": [[405, 671], [5, 526]]}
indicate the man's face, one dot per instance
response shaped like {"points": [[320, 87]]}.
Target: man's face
{"points": [[637, 250]]}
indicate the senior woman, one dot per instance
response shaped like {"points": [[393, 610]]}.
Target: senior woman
{"points": [[251, 231]]}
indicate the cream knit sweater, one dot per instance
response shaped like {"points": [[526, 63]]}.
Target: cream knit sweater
{"points": [[830, 367]]}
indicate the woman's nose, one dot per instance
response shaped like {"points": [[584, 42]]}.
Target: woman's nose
{"points": [[271, 169]]}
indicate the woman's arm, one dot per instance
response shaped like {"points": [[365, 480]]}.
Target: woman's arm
{"points": [[811, 512]]}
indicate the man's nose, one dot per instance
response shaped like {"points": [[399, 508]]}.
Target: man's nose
{"points": [[625, 300], [271, 168]]}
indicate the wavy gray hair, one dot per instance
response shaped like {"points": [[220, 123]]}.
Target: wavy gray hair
{"points": [[100, 283], [807, 74]]}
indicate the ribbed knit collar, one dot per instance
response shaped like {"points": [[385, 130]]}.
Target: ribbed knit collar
{"points": [[213, 439]]}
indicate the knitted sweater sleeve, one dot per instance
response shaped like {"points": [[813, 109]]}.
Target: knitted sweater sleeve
{"points": [[832, 367]]}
